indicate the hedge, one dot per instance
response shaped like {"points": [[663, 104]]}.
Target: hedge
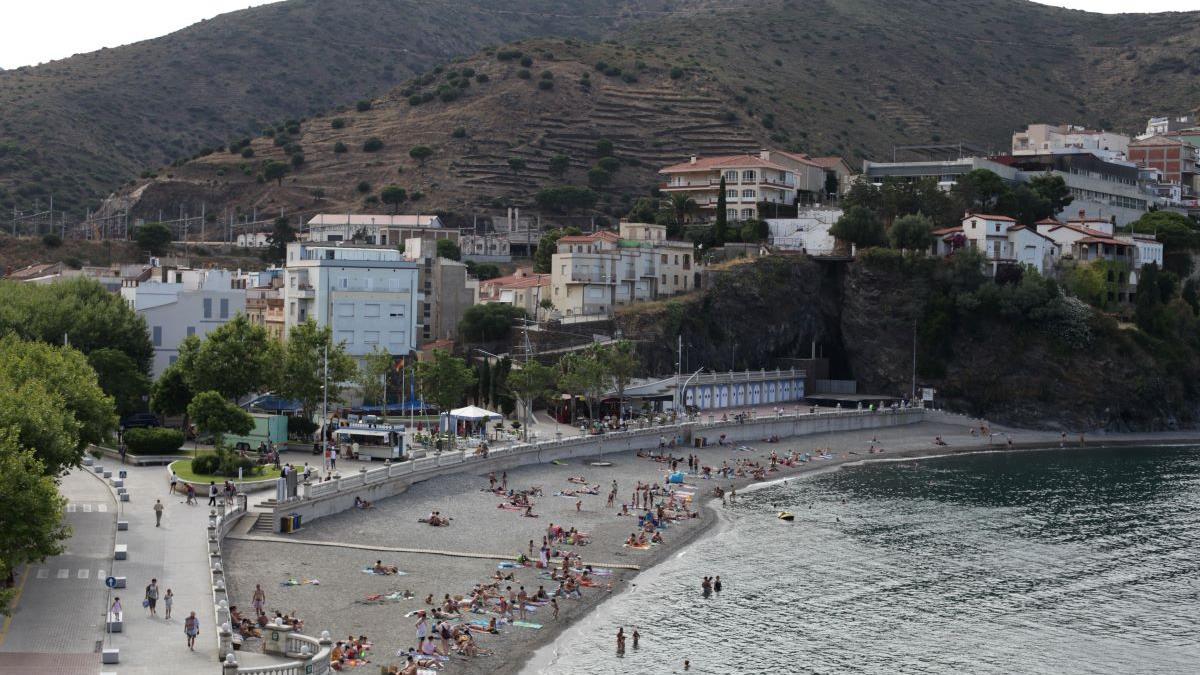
{"points": [[156, 441]]}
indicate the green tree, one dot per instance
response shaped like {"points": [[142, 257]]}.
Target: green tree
{"points": [[604, 147], [445, 379], [1150, 304], [50, 400], [394, 195], [154, 238], [373, 145], [978, 190], [488, 322], [620, 361], [80, 311], [1178, 234], [170, 394], [863, 193], [31, 527], [421, 153], [448, 248], [280, 236], [302, 372], [273, 170], [1024, 204], [1087, 283], [755, 230], [214, 415], [548, 246], [531, 382], [859, 226], [1054, 190], [566, 198], [598, 177], [516, 164], [583, 374], [483, 271], [720, 228], [375, 368], [682, 206], [121, 379], [559, 165], [912, 233], [233, 360]]}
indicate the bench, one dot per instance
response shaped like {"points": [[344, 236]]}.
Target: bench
{"points": [[122, 525], [111, 655], [120, 582], [121, 552], [118, 482], [116, 622], [124, 496]]}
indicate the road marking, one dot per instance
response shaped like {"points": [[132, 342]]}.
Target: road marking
{"points": [[12, 607], [87, 508], [43, 573], [102, 508], [83, 574], [100, 574], [64, 574]]}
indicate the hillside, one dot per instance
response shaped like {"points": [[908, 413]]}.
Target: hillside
{"points": [[79, 127], [860, 76]]}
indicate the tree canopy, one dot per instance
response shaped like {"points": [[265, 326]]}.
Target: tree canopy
{"points": [[154, 238], [859, 226], [449, 249], [31, 511], [394, 195], [911, 232], [566, 198], [280, 236], [488, 322], [548, 246], [444, 380], [372, 373], [215, 415], [233, 360], [302, 368], [121, 379]]}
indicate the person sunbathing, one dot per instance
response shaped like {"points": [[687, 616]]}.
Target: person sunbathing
{"points": [[657, 538], [577, 480], [632, 541], [360, 503], [529, 512], [380, 568]]}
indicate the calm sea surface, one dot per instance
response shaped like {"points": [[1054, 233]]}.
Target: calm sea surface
{"points": [[1064, 561]]}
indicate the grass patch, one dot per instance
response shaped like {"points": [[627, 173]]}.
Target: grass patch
{"points": [[183, 469]]}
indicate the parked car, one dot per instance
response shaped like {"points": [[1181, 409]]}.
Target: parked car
{"points": [[140, 420]]}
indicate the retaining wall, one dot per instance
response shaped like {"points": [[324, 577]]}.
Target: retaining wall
{"points": [[317, 500]]}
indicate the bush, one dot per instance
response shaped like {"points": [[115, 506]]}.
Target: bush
{"points": [[526, 61], [524, 74], [545, 85], [340, 147], [604, 147], [338, 123], [206, 465], [363, 186], [247, 152], [609, 164], [468, 72], [300, 426], [676, 73], [297, 160], [415, 100], [459, 132], [372, 145], [154, 441], [51, 240], [73, 263], [362, 106], [482, 77]]}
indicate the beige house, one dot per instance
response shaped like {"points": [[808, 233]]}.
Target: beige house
{"points": [[771, 176], [590, 275], [523, 288]]}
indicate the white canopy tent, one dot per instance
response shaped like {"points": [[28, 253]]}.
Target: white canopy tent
{"points": [[474, 417]]}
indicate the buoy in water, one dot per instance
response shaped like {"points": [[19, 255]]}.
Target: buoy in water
{"points": [[784, 515]]}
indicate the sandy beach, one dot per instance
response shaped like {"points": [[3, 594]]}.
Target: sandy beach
{"points": [[335, 550]]}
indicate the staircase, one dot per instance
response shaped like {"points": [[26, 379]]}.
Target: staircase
{"points": [[263, 525]]}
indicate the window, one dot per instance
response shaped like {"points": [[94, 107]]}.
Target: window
{"points": [[732, 194], [747, 213], [664, 280], [676, 258], [393, 284], [748, 176], [171, 361], [191, 330], [157, 336], [731, 175], [345, 310], [676, 279], [371, 311], [731, 213], [208, 308], [664, 258], [346, 336], [748, 194], [396, 337], [224, 308], [371, 337]]}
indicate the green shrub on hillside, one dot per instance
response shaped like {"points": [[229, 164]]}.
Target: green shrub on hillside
{"points": [[362, 106], [372, 144], [338, 123]]}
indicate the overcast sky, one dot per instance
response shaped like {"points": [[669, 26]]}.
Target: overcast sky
{"points": [[34, 31]]}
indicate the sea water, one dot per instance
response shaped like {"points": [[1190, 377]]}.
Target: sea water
{"points": [[1058, 561]]}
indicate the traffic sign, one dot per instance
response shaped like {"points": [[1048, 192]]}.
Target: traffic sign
{"points": [[111, 582]]}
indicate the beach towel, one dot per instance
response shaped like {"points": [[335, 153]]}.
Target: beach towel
{"points": [[558, 462], [371, 570], [379, 598], [300, 582], [526, 624], [645, 547], [510, 566], [510, 507]]}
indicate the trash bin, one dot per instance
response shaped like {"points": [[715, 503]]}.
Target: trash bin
{"points": [[285, 524], [295, 521], [123, 474]]}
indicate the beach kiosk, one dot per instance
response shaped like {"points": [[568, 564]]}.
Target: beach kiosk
{"points": [[468, 421], [372, 441]]}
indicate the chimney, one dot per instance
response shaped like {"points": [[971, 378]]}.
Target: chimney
{"points": [[692, 160], [764, 155]]}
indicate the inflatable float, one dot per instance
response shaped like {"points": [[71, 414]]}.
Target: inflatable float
{"points": [[784, 515]]}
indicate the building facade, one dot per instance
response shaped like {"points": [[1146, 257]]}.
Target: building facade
{"points": [[593, 274], [1173, 157], [375, 230], [177, 303], [770, 177], [369, 295], [523, 288], [1044, 139], [446, 288]]}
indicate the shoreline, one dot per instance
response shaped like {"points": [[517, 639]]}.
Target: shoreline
{"points": [[477, 523]]}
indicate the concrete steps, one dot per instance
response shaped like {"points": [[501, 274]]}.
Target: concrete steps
{"points": [[263, 524]]}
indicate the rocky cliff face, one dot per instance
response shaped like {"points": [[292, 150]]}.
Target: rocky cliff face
{"points": [[770, 310]]}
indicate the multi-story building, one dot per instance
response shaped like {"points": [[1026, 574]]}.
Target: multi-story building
{"points": [[178, 302], [770, 177], [264, 301], [370, 295], [1048, 139], [1168, 123], [447, 290], [592, 274], [375, 230], [1173, 156], [523, 288], [1004, 242], [485, 246]]}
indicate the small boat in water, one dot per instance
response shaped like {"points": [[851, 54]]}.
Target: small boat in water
{"points": [[784, 515]]}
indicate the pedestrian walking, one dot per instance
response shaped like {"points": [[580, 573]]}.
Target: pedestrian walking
{"points": [[115, 608], [212, 493], [191, 628], [174, 481], [554, 606], [168, 601], [258, 600], [158, 509], [522, 598], [151, 601], [191, 494]]}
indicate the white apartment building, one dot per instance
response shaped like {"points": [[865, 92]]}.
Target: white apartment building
{"points": [[592, 274], [1045, 139], [369, 295], [177, 303], [1004, 241], [374, 229], [772, 176]]}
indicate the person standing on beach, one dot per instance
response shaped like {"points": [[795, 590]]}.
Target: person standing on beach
{"points": [[158, 510], [636, 636], [717, 584], [522, 598], [621, 641], [554, 606], [422, 627], [258, 600]]}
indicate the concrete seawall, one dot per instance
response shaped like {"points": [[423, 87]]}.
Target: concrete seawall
{"points": [[317, 500]]}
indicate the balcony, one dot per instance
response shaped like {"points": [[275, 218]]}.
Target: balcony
{"points": [[304, 292], [592, 279]]}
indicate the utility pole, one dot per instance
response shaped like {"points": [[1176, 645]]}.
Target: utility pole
{"points": [[913, 397], [325, 406]]}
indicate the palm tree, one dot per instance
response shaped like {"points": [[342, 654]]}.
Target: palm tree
{"points": [[683, 206]]}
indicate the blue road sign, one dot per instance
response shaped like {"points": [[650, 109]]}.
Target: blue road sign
{"points": [[111, 582]]}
